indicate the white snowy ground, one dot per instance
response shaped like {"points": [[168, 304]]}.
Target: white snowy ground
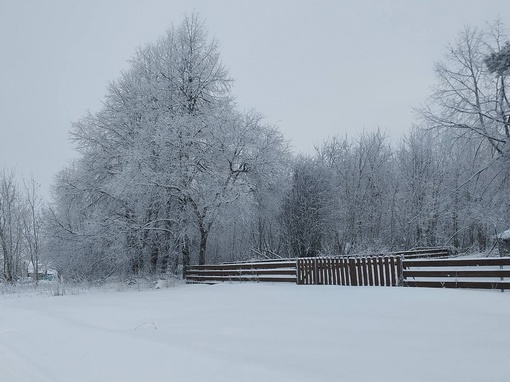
{"points": [[257, 332]]}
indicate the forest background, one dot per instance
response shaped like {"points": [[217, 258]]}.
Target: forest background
{"points": [[170, 172]]}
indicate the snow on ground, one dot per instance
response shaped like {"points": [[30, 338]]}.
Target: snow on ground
{"points": [[257, 332]]}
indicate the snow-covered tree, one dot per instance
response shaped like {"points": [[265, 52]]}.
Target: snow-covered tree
{"points": [[468, 99], [166, 154]]}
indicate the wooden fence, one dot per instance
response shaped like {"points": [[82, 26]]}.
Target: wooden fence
{"points": [[480, 273], [438, 252], [279, 271], [354, 271]]}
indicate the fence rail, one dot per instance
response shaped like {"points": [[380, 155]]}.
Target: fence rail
{"points": [[442, 252], [481, 273], [282, 271]]}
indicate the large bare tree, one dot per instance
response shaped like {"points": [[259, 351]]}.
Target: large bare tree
{"points": [[470, 96]]}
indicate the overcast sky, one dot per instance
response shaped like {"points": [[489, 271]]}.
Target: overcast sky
{"points": [[315, 68]]}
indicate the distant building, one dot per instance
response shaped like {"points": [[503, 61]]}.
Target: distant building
{"points": [[504, 242]]}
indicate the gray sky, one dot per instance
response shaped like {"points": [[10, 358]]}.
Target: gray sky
{"points": [[315, 68]]}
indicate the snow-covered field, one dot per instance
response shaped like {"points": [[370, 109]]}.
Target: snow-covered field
{"points": [[257, 332]]}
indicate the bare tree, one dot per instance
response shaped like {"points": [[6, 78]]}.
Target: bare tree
{"points": [[468, 98], [11, 232], [32, 223]]}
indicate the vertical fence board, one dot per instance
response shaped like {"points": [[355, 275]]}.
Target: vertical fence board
{"points": [[400, 271], [322, 271], [376, 271], [381, 270], [392, 269], [352, 272], [336, 263], [343, 271], [315, 271], [370, 273], [387, 271], [363, 265], [359, 271], [307, 275], [330, 272]]}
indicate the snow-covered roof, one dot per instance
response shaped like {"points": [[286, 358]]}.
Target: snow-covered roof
{"points": [[505, 235]]}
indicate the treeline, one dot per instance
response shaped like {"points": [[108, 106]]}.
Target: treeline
{"points": [[20, 227], [171, 172]]}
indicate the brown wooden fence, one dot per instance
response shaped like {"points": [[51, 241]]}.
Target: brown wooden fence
{"points": [[279, 271], [354, 271], [480, 273], [418, 253]]}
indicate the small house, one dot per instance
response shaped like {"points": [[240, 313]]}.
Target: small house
{"points": [[503, 239]]}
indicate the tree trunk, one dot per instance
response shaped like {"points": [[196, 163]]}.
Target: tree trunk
{"points": [[185, 255], [203, 245]]}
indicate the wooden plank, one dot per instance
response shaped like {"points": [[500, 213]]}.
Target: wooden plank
{"points": [[240, 278], [387, 271], [313, 275], [400, 275], [487, 261], [370, 271], [381, 271], [457, 273], [459, 284], [306, 270], [282, 264], [427, 255], [359, 271], [393, 271], [323, 271], [375, 261], [365, 271], [352, 272], [330, 271], [423, 251], [345, 272], [336, 271], [316, 274], [340, 270], [241, 272], [299, 271]]}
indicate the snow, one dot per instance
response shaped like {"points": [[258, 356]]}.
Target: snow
{"points": [[504, 235], [256, 332]]}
